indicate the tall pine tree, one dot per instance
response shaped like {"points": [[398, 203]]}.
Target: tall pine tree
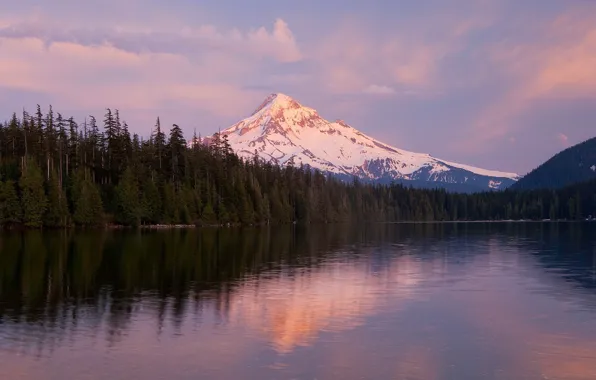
{"points": [[33, 198]]}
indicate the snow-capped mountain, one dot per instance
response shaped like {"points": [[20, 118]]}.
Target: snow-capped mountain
{"points": [[281, 130]]}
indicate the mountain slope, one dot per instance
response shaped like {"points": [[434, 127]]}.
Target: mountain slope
{"points": [[281, 130], [573, 165]]}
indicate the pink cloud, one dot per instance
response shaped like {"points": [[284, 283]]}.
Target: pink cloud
{"points": [[560, 64], [280, 43], [93, 72], [342, 78], [409, 59], [375, 89], [563, 139], [351, 59]]}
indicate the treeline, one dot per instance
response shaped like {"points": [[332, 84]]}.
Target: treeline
{"points": [[55, 172]]}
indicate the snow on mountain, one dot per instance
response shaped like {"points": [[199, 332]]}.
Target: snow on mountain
{"points": [[281, 130]]}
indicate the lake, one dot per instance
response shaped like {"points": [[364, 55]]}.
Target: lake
{"points": [[400, 301]]}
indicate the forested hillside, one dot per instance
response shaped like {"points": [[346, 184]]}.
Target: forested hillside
{"points": [[573, 165], [55, 172]]}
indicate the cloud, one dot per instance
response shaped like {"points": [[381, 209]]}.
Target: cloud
{"points": [[408, 59], [281, 42], [563, 139], [350, 60], [375, 89], [558, 65], [199, 68], [278, 44]]}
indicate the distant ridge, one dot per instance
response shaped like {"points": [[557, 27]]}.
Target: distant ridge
{"points": [[573, 165]]}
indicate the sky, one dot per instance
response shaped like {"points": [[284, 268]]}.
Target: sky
{"points": [[498, 84]]}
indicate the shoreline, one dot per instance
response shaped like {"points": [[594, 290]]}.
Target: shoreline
{"points": [[115, 227], [492, 221]]}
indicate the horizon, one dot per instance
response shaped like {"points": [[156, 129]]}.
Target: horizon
{"points": [[485, 80]]}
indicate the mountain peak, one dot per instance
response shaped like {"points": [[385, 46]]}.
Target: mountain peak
{"points": [[281, 129], [278, 101]]}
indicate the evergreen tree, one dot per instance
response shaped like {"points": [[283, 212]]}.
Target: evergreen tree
{"points": [[128, 204], [111, 145], [159, 141], [128, 143], [208, 215], [266, 210], [57, 211], [33, 198], [572, 208], [177, 147], [151, 204], [192, 204], [247, 214], [10, 207], [553, 212], [578, 207], [39, 133], [88, 204], [170, 207], [72, 159]]}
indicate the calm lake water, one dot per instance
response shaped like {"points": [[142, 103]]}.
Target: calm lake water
{"points": [[434, 301]]}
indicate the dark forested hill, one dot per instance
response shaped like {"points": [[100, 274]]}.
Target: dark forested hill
{"points": [[573, 165]]}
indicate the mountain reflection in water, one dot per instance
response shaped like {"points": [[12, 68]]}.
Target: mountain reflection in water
{"points": [[411, 301]]}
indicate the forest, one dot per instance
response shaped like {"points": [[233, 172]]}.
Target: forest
{"points": [[55, 173]]}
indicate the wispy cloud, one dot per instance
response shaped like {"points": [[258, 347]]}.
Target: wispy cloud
{"points": [[558, 65], [279, 43], [408, 60], [563, 139], [375, 89], [133, 69]]}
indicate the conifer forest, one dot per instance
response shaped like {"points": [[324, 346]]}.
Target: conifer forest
{"points": [[57, 172]]}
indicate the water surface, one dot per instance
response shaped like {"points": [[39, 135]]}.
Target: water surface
{"points": [[419, 301]]}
